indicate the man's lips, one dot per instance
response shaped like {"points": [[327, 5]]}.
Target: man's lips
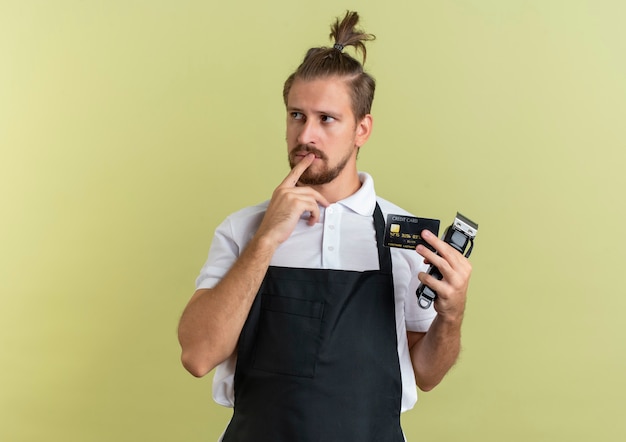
{"points": [[303, 154], [302, 150]]}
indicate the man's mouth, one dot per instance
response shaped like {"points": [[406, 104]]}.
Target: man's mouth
{"points": [[303, 151], [304, 154]]}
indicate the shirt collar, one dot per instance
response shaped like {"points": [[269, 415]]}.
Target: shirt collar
{"points": [[363, 201]]}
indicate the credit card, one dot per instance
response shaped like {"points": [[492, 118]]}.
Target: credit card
{"points": [[405, 232]]}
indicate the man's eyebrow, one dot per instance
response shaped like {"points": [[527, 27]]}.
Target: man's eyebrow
{"points": [[315, 112]]}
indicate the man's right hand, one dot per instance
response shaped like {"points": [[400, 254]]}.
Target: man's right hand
{"points": [[289, 201]]}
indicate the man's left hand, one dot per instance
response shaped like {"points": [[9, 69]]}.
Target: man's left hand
{"points": [[456, 271]]}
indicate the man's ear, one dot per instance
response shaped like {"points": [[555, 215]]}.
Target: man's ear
{"points": [[363, 130]]}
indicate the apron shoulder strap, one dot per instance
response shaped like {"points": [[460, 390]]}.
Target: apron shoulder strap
{"points": [[384, 254]]}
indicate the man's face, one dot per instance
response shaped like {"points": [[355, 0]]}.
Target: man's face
{"points": [[320, 120]]}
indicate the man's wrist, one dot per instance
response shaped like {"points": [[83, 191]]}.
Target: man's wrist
{"points": [[450, 320], [264, 244]]}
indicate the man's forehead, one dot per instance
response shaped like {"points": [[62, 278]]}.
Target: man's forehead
{"points": [[321, 93]]}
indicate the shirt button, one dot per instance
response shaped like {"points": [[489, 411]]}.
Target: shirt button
{"points": [[331, 248], [330, 210], [331, 227]]}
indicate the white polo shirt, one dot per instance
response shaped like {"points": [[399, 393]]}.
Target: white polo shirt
{"points": [[344, 238]]}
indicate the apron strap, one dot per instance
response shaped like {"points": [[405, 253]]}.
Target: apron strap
{"points": [[384, 253]]}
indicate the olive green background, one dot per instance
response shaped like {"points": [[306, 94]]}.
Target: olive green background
{"points": [[130, 129]]}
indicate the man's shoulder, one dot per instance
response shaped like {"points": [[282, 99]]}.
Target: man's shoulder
{"points": [[388, 207], [244, 220], [249, 211]]}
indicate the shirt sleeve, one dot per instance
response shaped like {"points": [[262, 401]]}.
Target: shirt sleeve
{"points": [[417, 319], [230, 238], [223, 253]]}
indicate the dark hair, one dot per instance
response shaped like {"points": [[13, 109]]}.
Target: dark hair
{"points": [[332, 61]]}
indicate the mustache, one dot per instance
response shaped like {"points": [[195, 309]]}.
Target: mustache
{"points": [[306, 148]]}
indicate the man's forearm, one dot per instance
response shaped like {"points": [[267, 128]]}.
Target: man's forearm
{"points": [[212, 321], [434, 353]]}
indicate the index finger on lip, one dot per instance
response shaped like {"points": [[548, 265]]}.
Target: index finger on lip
{"points": [[297, 171]]}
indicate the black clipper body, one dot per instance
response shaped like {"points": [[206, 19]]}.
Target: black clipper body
{"points": [[461, 233]]}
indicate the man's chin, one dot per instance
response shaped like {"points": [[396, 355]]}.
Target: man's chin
{"points": [[316, 179]]}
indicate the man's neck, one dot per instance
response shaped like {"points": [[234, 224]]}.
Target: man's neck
{"points": [[340, 188]]}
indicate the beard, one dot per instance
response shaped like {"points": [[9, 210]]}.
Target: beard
{"points": [[324, 176]]}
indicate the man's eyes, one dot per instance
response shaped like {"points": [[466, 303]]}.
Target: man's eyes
{"points": [[301, 116]]}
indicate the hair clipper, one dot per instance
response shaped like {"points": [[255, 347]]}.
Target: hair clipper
{"points": [[459, 235]]}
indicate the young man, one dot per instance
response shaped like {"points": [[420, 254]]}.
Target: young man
{"points": [[313, 324]]}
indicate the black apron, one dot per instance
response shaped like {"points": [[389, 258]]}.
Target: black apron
{"points": [[317, 358]]}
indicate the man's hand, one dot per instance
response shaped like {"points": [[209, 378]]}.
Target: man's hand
{"points": [[288, 203], [456, 271], [433, 353]]}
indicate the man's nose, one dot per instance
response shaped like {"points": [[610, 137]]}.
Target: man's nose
{"points": [[308, 133]]}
